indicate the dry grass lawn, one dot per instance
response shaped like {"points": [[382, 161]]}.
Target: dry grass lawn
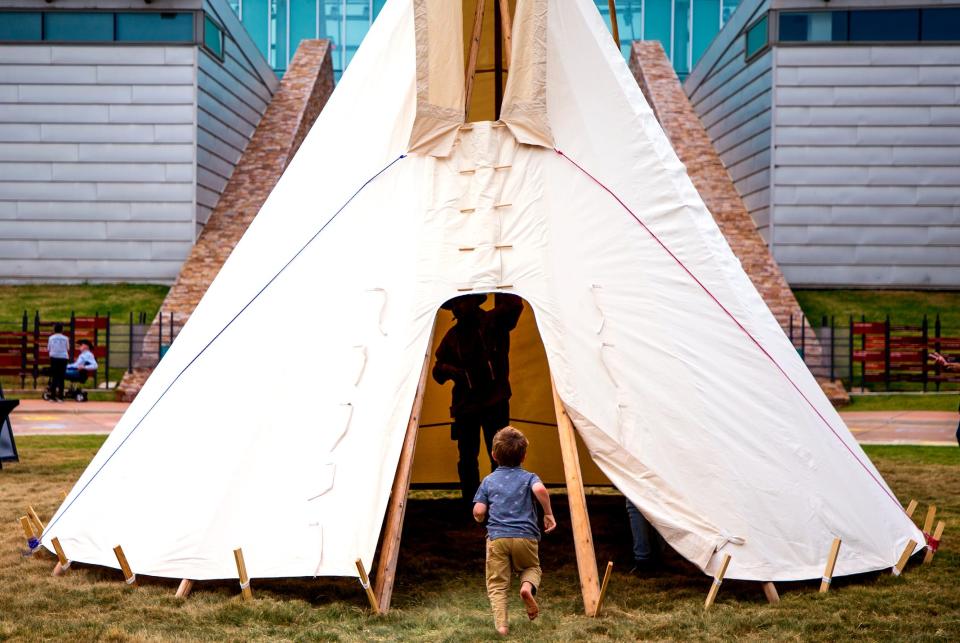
{"points": [[440, 591]]}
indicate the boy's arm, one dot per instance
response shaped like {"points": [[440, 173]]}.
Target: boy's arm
{"points": [[543, 496], [479, 511]]}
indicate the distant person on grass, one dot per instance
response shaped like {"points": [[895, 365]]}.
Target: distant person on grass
{"points": [[948, 365], [58, 348], [505, 500]]}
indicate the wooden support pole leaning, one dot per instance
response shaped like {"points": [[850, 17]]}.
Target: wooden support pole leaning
{"points": [[390, 549], [614, 27], [474, 52], [186, 586], [911, 508], [904, 557], [603, 586], [506, 23], [365, 584], [932, 548], [63, 563], [579, 519], [717, 580], [242, 573], [129, 577], [831, 563], [770, 591], [28, 531]]}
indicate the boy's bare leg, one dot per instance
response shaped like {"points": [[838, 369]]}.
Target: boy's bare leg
{"points": [[526, 594]]}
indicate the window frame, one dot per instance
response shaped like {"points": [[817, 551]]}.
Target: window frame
{"points": [[194, 41], [747, 56], [202, 30], [859, 43]]}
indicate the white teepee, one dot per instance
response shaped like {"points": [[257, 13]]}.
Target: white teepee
{"points": [[680, 382]]}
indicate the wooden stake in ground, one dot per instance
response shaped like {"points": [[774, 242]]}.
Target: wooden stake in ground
{"points": [[904, 557], [603, 586], [63, 563], [242, 572], [579, 518], [365, 584], [931, 516], [186, 586], [128, 575], [911, 508], [29, 533], [474, 51], [506, 24], [614, 27], [397, 508], [717, 581], [933, 543], [38, 525], [770, 591], [831, 563]]}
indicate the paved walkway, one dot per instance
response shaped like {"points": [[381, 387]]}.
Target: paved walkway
{"points": [[37, 417]]}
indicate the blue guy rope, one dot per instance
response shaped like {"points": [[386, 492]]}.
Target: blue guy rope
{"points": [[215, 337]]}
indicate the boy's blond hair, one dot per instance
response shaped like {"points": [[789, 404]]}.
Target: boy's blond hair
{"points": [[509, 447]]}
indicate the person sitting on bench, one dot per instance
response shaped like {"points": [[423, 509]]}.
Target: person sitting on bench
{"points": [[85, 363]]}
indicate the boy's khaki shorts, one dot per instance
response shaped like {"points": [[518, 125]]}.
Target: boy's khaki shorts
{"points": [[504, 556]]}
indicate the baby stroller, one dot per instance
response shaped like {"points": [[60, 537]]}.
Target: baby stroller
{"points": [[74, 377]]}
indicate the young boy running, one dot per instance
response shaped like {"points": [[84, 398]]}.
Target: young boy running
{"points": [[512, 533]]}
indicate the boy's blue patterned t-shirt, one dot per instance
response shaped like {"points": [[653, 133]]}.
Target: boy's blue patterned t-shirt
{"points": [[508, 494]]}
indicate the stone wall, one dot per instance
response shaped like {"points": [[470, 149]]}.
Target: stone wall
{"points": [[303, 92]]}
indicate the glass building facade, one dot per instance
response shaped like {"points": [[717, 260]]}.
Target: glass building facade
{"points": [[684, 27]]}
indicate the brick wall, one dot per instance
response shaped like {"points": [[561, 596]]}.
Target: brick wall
{"points": [[660, 85], [303, 92]]}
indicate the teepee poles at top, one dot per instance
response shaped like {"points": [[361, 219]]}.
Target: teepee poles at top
{"points": [[507, 26], [613, 22], [474, 51]]}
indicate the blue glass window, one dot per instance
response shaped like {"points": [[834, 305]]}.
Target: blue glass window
{"points": [[155, 27], [756, 37], [74, 26], [212, 37], [888, 25], [940, 24], [20, 26], [815, 26]]}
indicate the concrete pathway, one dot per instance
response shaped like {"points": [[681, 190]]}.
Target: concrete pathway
{"points": [[37, 417]]}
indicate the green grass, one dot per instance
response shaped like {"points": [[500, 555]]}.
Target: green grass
{"points": [[905, 307], [911, 402], [440, 595], [56, 301]]}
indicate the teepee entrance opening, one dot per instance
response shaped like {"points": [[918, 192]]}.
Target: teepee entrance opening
{"points": [[429, 457]]}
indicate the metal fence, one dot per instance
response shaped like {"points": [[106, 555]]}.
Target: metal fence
{"points": [[119, 345], [876, 355]]}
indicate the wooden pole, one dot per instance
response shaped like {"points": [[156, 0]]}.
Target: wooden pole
{"points": [[928, 521], [831, 563], [904, 557], [911, 508], [717, 581], [770, 591], [186, 586], [38, 525], [242, 573], [932, 548], [614, 27], [506, 22], [28, 531], [390, 549], [579, 518], [63, 563], [128, 575], [365, 584], [603, 586], [474, 51]]}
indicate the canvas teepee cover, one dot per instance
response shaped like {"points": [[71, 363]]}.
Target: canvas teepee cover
{"points": [[680, 382]]}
